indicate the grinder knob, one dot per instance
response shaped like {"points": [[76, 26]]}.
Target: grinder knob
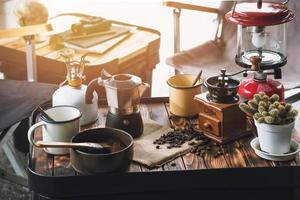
{"points": [[207, 126], [255, 61]]}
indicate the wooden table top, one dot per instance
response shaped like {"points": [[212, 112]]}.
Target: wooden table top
{"points": [[237, 154]]}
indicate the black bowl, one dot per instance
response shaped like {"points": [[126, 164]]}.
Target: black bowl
{"points": [[220, 94], [94, 162]]}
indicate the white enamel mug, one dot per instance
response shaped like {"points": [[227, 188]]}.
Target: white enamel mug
{"points": [[62, 129]]}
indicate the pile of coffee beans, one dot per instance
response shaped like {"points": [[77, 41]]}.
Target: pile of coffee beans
{"points": [[200, 144], [177, 137], [201, 148]]}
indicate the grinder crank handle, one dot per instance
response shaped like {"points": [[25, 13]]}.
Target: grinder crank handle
{"points": [[245, 73]]}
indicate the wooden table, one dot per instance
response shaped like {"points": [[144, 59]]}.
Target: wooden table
{"points": [[238, 172], [138, 55]]}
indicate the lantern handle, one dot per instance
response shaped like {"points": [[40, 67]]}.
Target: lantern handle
{"points": [[284, 3], [233, 8], [245, 71], [259, 5]]}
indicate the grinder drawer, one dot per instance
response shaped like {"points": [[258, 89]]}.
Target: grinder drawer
{"points": [[209, 124]]}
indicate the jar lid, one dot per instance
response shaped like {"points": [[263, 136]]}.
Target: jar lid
{"points": [[123, 81], [248, 14]]}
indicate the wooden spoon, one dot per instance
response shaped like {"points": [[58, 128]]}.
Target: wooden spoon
{"points": [[81, 145], [197, 78]]}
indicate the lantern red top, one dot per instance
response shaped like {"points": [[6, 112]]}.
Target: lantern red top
{"points": [[248, 14]]}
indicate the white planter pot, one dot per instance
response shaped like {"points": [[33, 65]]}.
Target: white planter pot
{"points": [[274, 139]]}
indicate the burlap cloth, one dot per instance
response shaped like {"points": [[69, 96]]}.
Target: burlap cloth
{"points": [[146, 153]]}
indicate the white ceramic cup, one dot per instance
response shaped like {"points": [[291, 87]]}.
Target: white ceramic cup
{"points": [[62, 129]]}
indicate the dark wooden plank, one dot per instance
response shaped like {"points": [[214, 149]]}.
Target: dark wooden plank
{"points": [[103, 110], [156, 112], [192, 161], [176, 164], [145, 169], [134, 167], [234, 155], [285, 163], [297, 159], [62, 166], [252, 158], [211, 161]]}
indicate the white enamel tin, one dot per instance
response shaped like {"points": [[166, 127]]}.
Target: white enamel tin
{"points": [[62, 129]]}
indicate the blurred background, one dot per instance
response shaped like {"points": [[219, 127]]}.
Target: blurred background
{"points": [[196, 27]]}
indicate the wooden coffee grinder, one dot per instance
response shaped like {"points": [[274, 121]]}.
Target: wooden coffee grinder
{"points": [[219, 115]]}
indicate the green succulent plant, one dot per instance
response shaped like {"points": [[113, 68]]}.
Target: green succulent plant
{"points": [[269, 110]]}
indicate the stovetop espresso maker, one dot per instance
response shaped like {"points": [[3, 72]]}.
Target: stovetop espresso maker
{"points": [[123, 92]]}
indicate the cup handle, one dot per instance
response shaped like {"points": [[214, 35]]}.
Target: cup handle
{"points": [[31, 131]]}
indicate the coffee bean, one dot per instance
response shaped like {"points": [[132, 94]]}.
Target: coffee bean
{"points": [[193, 150], [157, 147]]}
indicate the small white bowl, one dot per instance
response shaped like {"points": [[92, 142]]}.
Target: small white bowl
{"points": [[294, 150]]}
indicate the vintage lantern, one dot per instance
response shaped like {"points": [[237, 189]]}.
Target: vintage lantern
{"points": [[261, 44]]}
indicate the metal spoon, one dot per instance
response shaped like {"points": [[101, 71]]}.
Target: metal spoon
{"points": [[81, 145], [45, 114], [197, 78]]}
